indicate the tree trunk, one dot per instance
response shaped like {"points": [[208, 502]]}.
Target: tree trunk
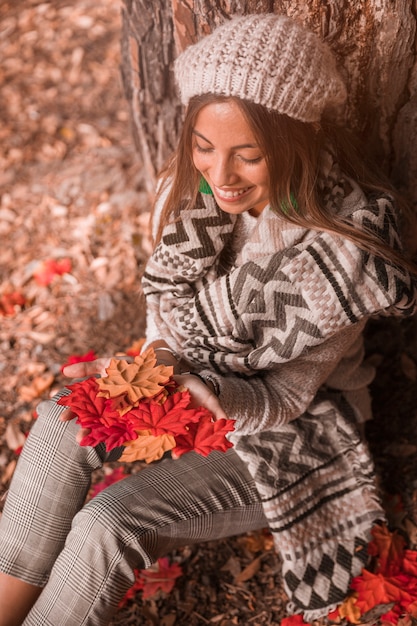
{"points": [[374, 41]]}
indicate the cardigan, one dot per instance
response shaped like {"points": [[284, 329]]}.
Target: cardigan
{"points": [[278, 323]]}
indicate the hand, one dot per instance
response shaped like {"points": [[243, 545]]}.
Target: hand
{"points": [[201, 395], [83, 370]]}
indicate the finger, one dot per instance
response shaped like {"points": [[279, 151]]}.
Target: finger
{"points": [[87, 368], [214, 406], [83, 432], [201, 395], [67, 415]]}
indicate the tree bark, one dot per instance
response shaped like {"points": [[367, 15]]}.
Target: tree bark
{"points": [[374, 42]]}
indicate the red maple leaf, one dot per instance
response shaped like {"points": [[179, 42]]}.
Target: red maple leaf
{"points": [[161, 576], [48, 269], [80, 358], [112, 436], [83, 399], [9, 302], [95, 413], [205, 436], [163, 579], [171, 417], [374, 589]]}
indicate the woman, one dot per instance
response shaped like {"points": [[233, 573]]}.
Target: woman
{"points": [[274, 245]]}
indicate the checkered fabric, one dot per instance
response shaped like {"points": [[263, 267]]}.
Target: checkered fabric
{"points": [[85, 555]]}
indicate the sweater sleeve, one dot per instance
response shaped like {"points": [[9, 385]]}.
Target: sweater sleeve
{"points": [[272, 398]]}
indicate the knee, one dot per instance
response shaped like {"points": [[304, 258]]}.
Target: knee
{"points": [[48, 423], [100, 519], [103, 528]]}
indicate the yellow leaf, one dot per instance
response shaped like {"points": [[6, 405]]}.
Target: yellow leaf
{"points": [[349, 611], [147, 447], [137, 380]]}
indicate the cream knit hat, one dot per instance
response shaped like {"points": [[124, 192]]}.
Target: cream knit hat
{"points": [[267, 59]]}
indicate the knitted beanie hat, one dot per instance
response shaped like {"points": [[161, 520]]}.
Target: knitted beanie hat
{"points": [[267, 59]]}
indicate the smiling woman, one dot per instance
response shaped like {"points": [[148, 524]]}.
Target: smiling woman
{"points": [[271, 253], [228, 156]]}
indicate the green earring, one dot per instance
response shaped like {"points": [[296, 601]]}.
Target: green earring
{"points": [[284, 204], [205, 187]]}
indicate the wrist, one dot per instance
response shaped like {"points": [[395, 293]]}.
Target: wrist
{"points": [[208, 380], [166, 356]]}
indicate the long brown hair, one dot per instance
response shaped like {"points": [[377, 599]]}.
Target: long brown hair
{"points": [[293, 154]]}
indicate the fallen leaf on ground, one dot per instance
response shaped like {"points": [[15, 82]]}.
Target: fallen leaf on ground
{"points": [[38, 386], [14, 437], [48, 269]]}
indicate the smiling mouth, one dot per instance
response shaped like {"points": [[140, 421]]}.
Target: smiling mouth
{"points": [[231, 195]]}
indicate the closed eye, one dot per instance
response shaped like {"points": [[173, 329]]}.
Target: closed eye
{"points": [[202, 150], [250, 161]]}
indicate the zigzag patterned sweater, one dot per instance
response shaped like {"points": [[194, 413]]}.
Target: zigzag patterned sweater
{"points": [[279, 323]]}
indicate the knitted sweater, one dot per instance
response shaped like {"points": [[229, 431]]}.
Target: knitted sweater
{"points": [[283, 392]]}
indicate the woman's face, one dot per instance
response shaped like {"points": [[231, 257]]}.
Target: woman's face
{"points": [[227, 154]]}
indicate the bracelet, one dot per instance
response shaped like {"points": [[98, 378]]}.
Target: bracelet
{"points": [[163, 349], [206, 379], [214, 382]]}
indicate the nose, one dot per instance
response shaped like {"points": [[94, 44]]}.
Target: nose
{"points": [[223, 172]]}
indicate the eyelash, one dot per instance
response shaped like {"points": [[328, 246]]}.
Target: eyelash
{"points": [[248, 161]]}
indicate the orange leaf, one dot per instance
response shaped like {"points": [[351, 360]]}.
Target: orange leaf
{"points": [[137, 380], [349, 610], [135, 348], [39, 384], [147, 447], [249, 571]]}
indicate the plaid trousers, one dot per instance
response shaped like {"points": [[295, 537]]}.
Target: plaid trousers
{"points": [[83, 555]]}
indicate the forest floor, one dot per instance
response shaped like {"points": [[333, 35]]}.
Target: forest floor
{"points": [[73, 226]]}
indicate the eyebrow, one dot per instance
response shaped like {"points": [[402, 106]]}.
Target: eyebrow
{"points": [[240, 147]]}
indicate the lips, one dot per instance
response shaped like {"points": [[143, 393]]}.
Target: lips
{"points": [[232, 194]]}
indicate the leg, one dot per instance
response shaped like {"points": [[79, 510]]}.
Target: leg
{"points": [[16, 599], [49, 486], [135, 521]]}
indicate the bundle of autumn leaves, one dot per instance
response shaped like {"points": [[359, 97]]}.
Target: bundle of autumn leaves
{"points": [[140, 406]]}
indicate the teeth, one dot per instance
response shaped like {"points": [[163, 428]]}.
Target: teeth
{"points": [[231, 194]]}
